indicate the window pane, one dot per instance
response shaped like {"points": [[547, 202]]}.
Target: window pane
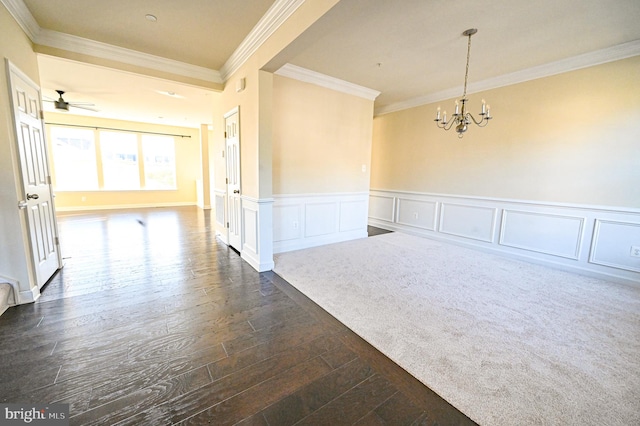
{"points": [[159, 162], [74, 159], [119, 160]]}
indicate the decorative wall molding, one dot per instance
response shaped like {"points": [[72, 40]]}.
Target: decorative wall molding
{"points": [[591, 240], [277, 14], [520, 229], [322, 80], [23, 17], [308, 220], [257, 232], [615, 53], [132, 57], [612, 243], [219, 198]]}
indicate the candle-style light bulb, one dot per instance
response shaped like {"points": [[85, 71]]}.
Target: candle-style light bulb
{"points": [[484, 107], [488, 111], [457, 108], [438, 114], [444, 118]]}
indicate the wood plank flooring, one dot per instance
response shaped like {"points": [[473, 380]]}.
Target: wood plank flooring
{"points": [[153, 321]]}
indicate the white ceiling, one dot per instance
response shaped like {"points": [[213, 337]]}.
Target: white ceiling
{"points": [[407, 50]]}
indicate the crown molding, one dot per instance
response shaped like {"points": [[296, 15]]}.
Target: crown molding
{"points": [[132, 57], [277, 14], [308, 76], [27, 22], [611, 54], [23, 17]]}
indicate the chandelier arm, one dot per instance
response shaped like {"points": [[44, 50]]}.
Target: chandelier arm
{"points": [[447, 125], [478, 123]]}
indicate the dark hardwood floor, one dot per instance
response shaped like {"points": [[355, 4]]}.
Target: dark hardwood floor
{"points": [[153, 321]]}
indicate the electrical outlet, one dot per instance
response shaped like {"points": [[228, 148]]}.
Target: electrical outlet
{"points": [[635, 251]]}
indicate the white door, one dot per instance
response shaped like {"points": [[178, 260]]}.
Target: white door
{"points": [[234, 202], [36, 182]]}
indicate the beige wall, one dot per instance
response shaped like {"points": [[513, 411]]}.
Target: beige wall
{"points": [[188, 169], [15, 46], [255, 103], [571, 138], [321, 139]]}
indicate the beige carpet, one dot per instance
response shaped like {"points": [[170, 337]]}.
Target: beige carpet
{"points": [[506, 342]]}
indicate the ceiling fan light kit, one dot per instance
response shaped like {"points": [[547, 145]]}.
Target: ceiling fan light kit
{"points": [[461, 118]]}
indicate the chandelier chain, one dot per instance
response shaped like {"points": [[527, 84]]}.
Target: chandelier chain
{"points": [[466, 72]]}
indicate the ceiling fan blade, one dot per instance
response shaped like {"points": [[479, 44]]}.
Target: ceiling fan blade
{"points": [[83, 107]]}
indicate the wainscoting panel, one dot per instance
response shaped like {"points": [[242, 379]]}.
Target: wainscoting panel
{"points": [[352, 215], [542, 233], [257, 247], [250, 234], [308, 220], [421, 214], [613, 243], [320, 219], [219, 206], [468, 221], [381, 207], [594, 240], [286, 222]]}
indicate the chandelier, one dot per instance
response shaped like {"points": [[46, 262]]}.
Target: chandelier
{"points": [[461, 118]]}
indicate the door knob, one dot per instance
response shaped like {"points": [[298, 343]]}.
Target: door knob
{"points": [[32, 196], [236, 191]]}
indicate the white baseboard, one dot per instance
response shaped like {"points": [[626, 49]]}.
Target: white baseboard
{"points": [[590, 240], [309, 220], [123, 206]]}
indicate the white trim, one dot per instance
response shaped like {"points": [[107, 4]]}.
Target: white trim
{"points": [[277, 14], [610, 54], [257, 242], [125, 206], [421, 195], [29, 296], [23, 17], [128, 56], [556, 243], [302, 74], [309, 220]]}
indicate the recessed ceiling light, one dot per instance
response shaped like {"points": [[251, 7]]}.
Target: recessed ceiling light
{"points": [[150, 18]]}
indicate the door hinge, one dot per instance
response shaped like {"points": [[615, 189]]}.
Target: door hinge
{"points": [[57, 240], [225, 135], [48, 180], [227, 224], [226, 180]]}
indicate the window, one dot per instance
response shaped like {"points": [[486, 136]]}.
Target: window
{"points": [[159, 162], [93, 160], [74, 159], [120, 160]]}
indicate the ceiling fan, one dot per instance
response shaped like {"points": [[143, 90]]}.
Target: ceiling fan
{"points": [[62, 105]]}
